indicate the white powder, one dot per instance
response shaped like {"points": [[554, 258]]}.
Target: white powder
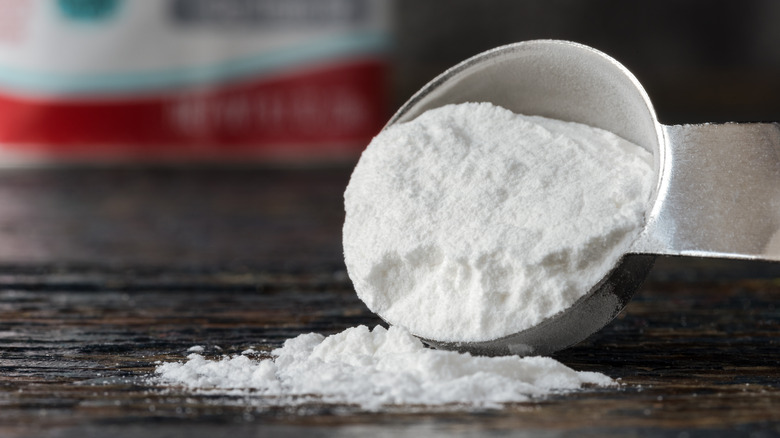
{"points": [[468, 223], [471, 222], [379, 368]]}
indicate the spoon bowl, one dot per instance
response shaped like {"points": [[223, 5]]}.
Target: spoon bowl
{"points": [[576, 83]]}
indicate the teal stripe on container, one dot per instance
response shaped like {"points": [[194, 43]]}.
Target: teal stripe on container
{"points": [[37, 83]]}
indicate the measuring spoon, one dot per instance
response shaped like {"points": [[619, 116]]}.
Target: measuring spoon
{"points": [[717, 191]]}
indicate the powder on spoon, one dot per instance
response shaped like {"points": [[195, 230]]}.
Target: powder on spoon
{"points": [[376, 369], [470, 222]]}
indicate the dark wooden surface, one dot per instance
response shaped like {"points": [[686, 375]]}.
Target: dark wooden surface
{"points": [[104, 272]]}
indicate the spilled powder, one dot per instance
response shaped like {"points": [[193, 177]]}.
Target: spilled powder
{"points": [[470, 222], [378, 368]]}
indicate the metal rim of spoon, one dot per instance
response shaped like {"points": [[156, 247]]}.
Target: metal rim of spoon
{"points": [[717, 190]]}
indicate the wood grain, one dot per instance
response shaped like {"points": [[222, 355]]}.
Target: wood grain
{"points": [[696, 352]]}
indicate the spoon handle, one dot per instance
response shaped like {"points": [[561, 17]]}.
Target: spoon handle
{"points": [[719, 194]]}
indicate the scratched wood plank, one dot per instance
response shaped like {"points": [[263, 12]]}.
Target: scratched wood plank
{"points": [[692, 357], [104, 272]]}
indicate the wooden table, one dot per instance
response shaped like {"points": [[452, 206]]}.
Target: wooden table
{"points": [[104, 272]]}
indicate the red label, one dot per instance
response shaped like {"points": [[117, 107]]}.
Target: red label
{"points": [[331, 111]]}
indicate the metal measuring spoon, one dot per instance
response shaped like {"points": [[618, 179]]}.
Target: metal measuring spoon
{"points": [[718, 185]]}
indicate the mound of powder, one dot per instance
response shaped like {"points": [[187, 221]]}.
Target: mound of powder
{"points": [[470, 222], [379, 368]]}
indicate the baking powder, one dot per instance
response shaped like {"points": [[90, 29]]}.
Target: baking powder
{"points": [[375, 369], [470, 222]]}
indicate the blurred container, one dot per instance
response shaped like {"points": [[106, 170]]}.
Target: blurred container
{"points": [[119, 80]]}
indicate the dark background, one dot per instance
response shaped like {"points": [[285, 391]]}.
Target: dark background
{"points": [[700, 61]]}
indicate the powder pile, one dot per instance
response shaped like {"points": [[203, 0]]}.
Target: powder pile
{"points": [[470, 222], [379, 368]]}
